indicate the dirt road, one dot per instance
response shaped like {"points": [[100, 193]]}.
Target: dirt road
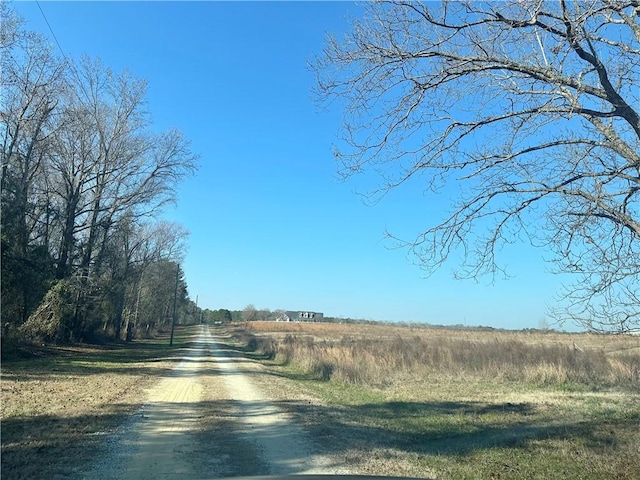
{"points": [[207, 419]]}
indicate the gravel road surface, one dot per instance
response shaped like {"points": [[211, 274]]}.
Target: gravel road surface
{"points": [[207, 419]]}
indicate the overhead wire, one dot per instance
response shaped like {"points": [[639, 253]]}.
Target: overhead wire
{"points": [[46, 20], [67, 62]]}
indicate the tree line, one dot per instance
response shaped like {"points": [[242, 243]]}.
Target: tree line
{"points": [[83, 176]]}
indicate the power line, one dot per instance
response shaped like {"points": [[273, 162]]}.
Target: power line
{"points": [[67, 63], [51, 30]]}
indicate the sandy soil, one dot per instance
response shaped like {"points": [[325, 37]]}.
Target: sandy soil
{"points": [[208, 419]]}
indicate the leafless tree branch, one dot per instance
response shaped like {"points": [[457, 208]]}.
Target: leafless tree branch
{"points": [[528, 110]]}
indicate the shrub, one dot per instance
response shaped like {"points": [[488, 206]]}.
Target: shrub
{"points": [[52, 320]]}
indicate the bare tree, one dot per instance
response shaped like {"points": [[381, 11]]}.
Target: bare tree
{"points": [[528, 111], [31, 79], [132, 252], [250, 313], [109, 164], [82, 173]]}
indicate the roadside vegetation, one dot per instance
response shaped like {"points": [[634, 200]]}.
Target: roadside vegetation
{"points": [[384, 400], [84, 176], [465, 403], [60, 403]]}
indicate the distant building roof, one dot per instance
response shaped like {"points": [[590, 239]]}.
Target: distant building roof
{"points": [[300, 316]]}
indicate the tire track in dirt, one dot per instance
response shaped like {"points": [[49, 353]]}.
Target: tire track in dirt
{"points": [[283, 446], [205, 420]]}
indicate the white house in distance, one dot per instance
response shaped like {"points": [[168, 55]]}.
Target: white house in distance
{"points": [[300, 316]]}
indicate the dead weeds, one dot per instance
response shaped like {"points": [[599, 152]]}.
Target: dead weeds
{"points": [[459, 420]]}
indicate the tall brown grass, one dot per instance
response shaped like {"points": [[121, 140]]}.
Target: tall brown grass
{"points": [[377, 357]]}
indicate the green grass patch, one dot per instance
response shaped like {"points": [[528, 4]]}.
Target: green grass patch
{"points": [[544, 435], [73, 359], [515, 411]]}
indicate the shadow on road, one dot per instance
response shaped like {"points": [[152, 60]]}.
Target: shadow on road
{"points": [[221, 440]]}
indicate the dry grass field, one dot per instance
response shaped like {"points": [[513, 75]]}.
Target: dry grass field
{"points": [[385, 400], [58, 403], [464, 403]]}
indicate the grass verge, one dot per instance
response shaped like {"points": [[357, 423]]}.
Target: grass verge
{"points": [[447, 414], [60, 401]]}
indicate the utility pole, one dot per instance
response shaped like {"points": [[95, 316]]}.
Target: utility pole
{"points": [[196, 312], [175, 301]]}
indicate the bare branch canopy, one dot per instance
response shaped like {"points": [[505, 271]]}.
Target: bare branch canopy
{"points": [[530, 109]]}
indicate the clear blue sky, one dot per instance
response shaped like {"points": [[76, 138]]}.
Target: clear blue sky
{"points": [[270, 224]]}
